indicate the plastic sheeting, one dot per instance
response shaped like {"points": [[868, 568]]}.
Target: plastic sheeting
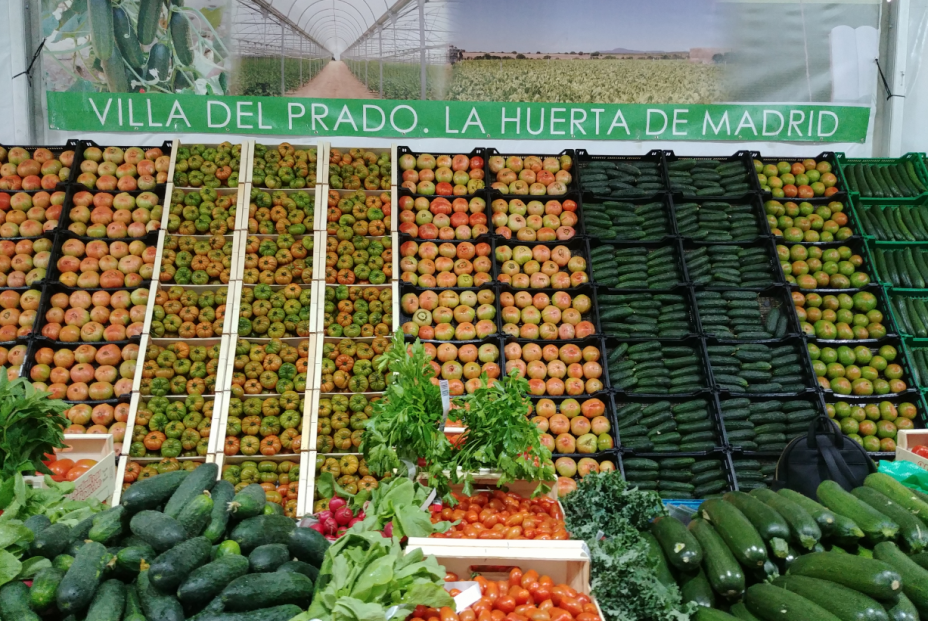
{"points": [[915, 115]]}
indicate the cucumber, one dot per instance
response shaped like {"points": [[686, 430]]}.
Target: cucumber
{"points": [[180, 37], [825, 519], [658, 560], [771, 603], [196, 514], [913, 532], [847, 604], [770, 525], [126, 39], [80, 583], [157, 530], [803, 528], [44, 586], [37, 523], [207, 582], [696, 588], [722, 570], [222, 494], [14, 602], [133, 608], [740, 611], [901, 608], [256, 591], [284, 612], [152, 492], [249, 502], [914, 576], [156, 605], [108, 603], [261, 530], [898, 493], [710, 614], [736, 530], [171, 568], [159, 64], [680, 547], [268, 557], [108, 525], [869, 576], [876, 526], [51, 541], [102, 38], [200, 480], [149, 14]]}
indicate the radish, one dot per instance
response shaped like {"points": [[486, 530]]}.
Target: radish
{"points": [[330, 526], [388, 529], [354, 521], [343, 515], [317, 527], [336, 503], [323, 515]]}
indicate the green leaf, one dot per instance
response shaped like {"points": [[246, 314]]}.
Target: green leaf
{"points": [[11, 533], [32, 566], [351, 609], [9, 567]]}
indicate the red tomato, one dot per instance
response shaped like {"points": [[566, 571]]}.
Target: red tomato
{"points": [[921, 451], [90, 463], [61, 466], [505, 603], [76, 472]]}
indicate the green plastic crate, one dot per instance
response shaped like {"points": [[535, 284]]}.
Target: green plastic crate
{"points": [[874, 248], [915, 159], [920, 204]]}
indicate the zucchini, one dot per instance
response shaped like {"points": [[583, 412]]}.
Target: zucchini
{"points": [[710, 614], [658, 560], [159, 68], [771, 603], [256, 591], [736, 530], [901, 608], [207, 582], [80, 583], [198, 481], [152, 492], [156, 605], [722, 570], [804, 529], [876, 526], [770, 525], [825, 519], [914, 576], [869, 576], [102, 38], [740, 611], [913, 532], [108, 603], [847, 604], [171, 568], [696, 588], [898, 493]]}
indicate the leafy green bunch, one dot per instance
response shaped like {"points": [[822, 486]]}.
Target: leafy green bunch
{"points": [[31, 425]]}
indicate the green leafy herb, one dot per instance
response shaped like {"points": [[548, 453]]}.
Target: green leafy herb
{"points": [[500, 436], [14, 540], [364, 575], [23, 502], [30, 426]]}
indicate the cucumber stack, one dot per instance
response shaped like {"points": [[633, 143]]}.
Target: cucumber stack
{"points": [[658, 315], [730, 266], [882, 180], [621, 180], [709, 177], [677, 477], [635, 268], [906, 268], [766, 425], [894, 222], [758, 368], [655, 368], [911, 314], [626, 221], [665, 427], [739, 315], [717, 221]]}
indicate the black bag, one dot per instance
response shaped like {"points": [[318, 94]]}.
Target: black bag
{"points": [[824, 454]]}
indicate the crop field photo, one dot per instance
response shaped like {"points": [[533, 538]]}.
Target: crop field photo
{"points": [[604, 51]]}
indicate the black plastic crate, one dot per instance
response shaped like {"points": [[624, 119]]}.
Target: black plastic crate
{"points": [[770, 265], [751, 200], [866, 402], [404, 247], [54, 288], [638, 469], [65, 222], [641, 299], [69, 145], [741, 158], [757, 470], [653, 158], [882, 305], [857, 247], [540, 250], [166, 149], [599, 384], [47, 238], [664, 202], [404, 191], [716, 348], [773, 297], [841, 197], [650, 247], [30, 361], [405, 318], [900, 359], [694, 344], [533, 297], [791, 418], [54, 274], [490, 176], [627, 407]]}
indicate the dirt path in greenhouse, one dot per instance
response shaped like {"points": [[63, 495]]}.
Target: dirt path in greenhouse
{"points": [[335, 81]]}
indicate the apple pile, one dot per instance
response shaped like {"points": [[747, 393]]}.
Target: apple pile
{"points": [[535, 221], [531, 176], [278, 261], [85, 372], [24, 262], [806, 222], [440, 218], [29, 215], [341, 423], [555, 371], [11, 360], [114, 217], [190, 260], [462, 365], [113, 168], [814, 267], [567, 468], [275, 314], [272, 367], [444, 175], [575, 427], [357, 312], [166, 428], [360, 260], [428, 264], [270, 425], [209, 167], [351, 366], [805, 179], [539, 267], [201, 212], [450, 315], [544, 317], [284, 166], [102, 418], [279, 212], [40, 170], [18, 314], [186, 314], [91, 317], [355, 213], [359, 170], [179, 369], [108, 265]]}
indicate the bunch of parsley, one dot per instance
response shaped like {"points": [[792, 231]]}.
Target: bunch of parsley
{"points": [[610, 516]]}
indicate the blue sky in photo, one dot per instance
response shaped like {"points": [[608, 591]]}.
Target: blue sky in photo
{"points": [[550, 26]]}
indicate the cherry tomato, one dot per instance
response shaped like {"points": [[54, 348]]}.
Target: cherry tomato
{"points": [[515, 576], [506, 603], [61, 466]]}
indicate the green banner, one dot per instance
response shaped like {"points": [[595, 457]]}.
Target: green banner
{"points": [[112, 112]]}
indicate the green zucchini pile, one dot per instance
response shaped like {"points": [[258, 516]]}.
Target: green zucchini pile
{"points": [[621, 180], [659, 315], [919, 366], [911, 315], [904, 267], [873, 180], [716, 221], [635, 268], [615, 220], [764, 555], [655, 368], [179, 546], [665, 427], [741, 315], [758, 368], [766, 425], [730, 266], [709, 178], [894, 222], [677, 477]]}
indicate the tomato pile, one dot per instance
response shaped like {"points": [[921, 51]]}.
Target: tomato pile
{"points": [[24, 262], [351, 366], [540, 267], [172, 428], [284, 166], [21, 170], [85, 372], [267, 426], [358, 311], [108, 265], [357, 168], [440, 218], [450, 315], [340, 425], [201, 212], [539, 316], [101, 418], [535, 221], [210, 167], [502, 515], [180, 369], [574, 427], [444, 175], [187, 314], [463, 364], [556, 371], [93, 317], [190, 260], [68, 469], [126, 170], [447, 265], [29, 215], [356, 213], [279, 212], [282, 313], [115, 217], [273, 367], [18, 314], [278, 260]]}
